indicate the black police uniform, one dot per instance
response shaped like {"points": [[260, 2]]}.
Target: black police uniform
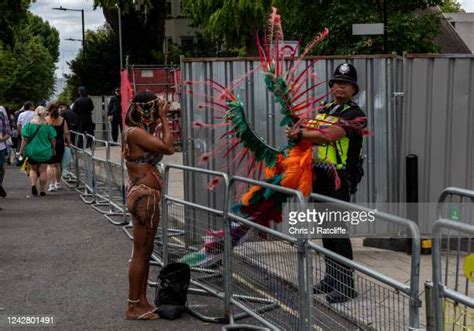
{"points": [[339, 281], [115, 110]]}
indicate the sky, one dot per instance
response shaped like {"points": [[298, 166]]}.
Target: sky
{"points": [[69, 25], [467, 5]]}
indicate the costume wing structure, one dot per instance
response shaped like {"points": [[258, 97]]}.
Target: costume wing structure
{"points": [[289, 165]]}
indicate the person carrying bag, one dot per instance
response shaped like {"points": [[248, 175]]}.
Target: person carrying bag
{"points": [[38, 145]]}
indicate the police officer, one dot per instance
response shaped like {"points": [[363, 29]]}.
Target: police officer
{"points": [[114, 113], [337, 152], [84, 108]]}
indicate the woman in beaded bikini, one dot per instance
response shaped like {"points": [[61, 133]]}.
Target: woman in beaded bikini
{"points": [[143, 148]]}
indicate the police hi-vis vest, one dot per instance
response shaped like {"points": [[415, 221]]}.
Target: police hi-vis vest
{"points": [[333, 153]]}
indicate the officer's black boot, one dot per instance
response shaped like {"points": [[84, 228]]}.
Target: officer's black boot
{"points": [[344, 286]]}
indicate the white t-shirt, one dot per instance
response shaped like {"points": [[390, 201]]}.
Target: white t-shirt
{"points": [[3, 145], [25, 117]]}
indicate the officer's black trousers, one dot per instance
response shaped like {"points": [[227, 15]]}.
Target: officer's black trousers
{"points": [[341, 277], [116, 125]]}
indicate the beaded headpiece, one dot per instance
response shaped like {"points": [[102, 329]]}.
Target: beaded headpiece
{"points": [[147, 110]]}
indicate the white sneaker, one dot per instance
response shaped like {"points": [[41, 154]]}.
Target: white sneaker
{"points": [[57, 186], [51, 188]]}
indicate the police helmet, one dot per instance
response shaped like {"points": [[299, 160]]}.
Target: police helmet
{"points": [[345, 72]]}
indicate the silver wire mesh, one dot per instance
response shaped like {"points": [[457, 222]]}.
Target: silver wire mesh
{"points": [[456, 248], [369, 304], [118, 184], [187, 232], [265, 278]]}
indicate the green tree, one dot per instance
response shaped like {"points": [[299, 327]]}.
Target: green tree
{"points": [[27, 59], [409, 28], [47, 35], [100, 70], [12, 15], [236, 22], [143, 27], [26, 73], [451, 6]]}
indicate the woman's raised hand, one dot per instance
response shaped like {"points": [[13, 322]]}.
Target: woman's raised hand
{"points": [[163, 108]]}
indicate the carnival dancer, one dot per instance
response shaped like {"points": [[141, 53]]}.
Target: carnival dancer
{"points": [[143, 148]]}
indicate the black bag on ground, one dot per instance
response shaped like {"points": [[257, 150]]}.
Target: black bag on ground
{"points": [[171, 293]]}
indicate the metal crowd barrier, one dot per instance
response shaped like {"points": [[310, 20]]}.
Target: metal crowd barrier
{"points": [[452, 299], [455, 204], [72, 178], [102, 180], [451, 202], [183, 229], [117, 189], [88, 189], [382, 302], [265, 272], [270, 276]]}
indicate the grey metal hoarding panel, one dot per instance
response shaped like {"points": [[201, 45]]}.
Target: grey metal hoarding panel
{"points": [[437, 125], [374, 98]]}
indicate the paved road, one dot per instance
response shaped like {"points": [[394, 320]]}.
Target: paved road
{"points": [[60, 257]]}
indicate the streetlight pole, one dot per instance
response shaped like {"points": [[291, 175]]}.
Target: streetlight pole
{"points": [[83, 27], [119, 11], [385, 27], [83, 35]]}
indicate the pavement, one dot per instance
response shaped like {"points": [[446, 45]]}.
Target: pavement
{"points": [[59, 257]]}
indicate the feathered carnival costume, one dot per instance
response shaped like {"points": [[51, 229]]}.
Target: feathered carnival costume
{"points": [[289, 166]]}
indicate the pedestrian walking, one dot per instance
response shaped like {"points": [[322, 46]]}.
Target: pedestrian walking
{"points": [[63, 139], [143, 149], [114, 114], [4, 136], [39, 145], [24, 116], [71, 119]]}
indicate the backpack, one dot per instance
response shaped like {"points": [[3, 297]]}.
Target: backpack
{"points": [[171, 294]]}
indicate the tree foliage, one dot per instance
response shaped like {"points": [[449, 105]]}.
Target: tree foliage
{"points": [[232, 22], [26, 73], [451, 6], [12, 14], [409, 27], [99, 71], [143, 27], [27, 61], [48, 36]]}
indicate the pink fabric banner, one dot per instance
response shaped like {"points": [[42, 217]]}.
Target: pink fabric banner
{"points": [[126, 92]]}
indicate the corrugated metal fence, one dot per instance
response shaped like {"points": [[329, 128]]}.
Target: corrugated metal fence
{"points": [[99, 117], [415, 104], [438, 124]]}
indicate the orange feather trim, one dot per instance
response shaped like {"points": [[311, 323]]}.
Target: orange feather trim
{"points": [[277, 169], [306, 179], [249, 194], [270, 172], [298, 168]]}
